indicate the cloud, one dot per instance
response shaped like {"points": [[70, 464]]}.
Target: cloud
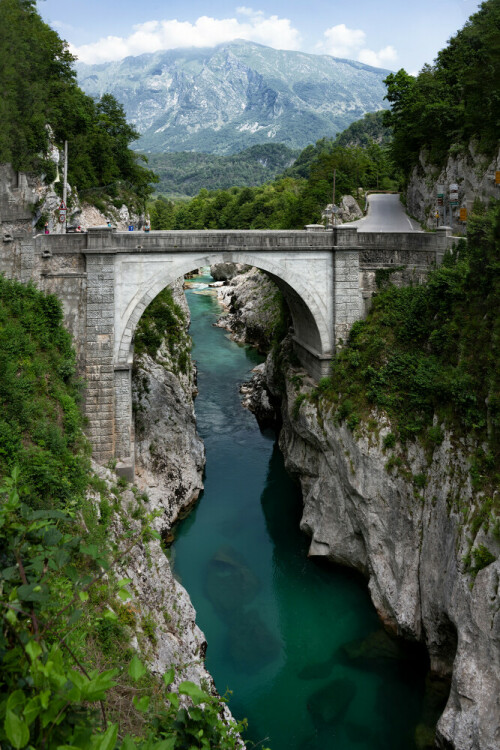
{"points": [[340, 41], [378, 59], [152, 36], [244, 11]]}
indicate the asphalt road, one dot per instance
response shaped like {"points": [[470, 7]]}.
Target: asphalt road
{"points": [[385, 214]]}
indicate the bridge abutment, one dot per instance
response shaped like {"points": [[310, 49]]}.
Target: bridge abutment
{"points": [[99, 356], [347, 297]]}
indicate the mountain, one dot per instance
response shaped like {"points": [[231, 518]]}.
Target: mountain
{"points": [[230, 97]]}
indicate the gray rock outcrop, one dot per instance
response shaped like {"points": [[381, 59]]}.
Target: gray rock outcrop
{"points": [[348, 210], [471, 171], [170, 455], [165, 629], [225, 271], [410, 543], [252, 306]]}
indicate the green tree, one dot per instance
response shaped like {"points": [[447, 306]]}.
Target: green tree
{"points": [[39, 95]]}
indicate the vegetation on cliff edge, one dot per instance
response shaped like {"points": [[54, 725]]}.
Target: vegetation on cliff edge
{"points": [[453, 101]]}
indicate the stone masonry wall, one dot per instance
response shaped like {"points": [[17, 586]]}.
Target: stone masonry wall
{"points": [[348, 297], [99, 368]]}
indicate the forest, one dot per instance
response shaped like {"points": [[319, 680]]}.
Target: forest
{"points": [[185, 173], [453, 101], [41, 104], [294, 199]]}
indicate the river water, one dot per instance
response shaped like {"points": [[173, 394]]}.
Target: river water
{"points": [[297, 641]]}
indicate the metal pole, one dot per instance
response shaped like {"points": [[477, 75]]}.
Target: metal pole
{"points": [[65, 181], [333, 204]]}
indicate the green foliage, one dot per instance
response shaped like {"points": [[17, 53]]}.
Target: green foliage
{"points": [[383, 275], [186, 173], [432, 350], [292, 200], [477, 559], [389, 440], [162, 320], [48, 695], [452, 101], [39, 88], [370, 129], [297, 404], [40, 422]]}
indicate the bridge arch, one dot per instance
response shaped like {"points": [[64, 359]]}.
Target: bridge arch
{"points": [[309, 310]]}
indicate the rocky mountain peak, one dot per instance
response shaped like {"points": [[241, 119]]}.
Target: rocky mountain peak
{"points": [[235, 95]]}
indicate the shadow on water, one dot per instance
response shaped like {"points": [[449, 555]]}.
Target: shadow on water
{"points": [[296, 639]]}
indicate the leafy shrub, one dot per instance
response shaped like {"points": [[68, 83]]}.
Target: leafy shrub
{"points": [[482, 558], [297, 404], [41, 424], [49, 696], [389, 440], [163, 319]]}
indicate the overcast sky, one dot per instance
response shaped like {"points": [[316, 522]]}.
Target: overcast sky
{"points": [[385, 33]]}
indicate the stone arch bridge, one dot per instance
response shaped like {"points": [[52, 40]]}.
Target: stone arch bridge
{"points": [[106, 279]]}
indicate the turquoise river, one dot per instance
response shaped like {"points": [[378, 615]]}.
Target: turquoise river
{"points": [[295, 640]]}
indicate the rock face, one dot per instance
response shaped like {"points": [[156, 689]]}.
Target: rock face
{"points": [[225, 271], [349, 210], [472, 172], [257, 398], [165, 629], [170, 455], [410, 544], [253, 308]]}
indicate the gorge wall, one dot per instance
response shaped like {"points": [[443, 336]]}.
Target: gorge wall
{"points": [[410, 544], [364, 508]]}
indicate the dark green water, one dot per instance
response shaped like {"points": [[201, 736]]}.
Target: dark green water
{"points": [[297, 642]]}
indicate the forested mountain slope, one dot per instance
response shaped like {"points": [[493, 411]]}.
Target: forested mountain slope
{"points": [[186, 172]]}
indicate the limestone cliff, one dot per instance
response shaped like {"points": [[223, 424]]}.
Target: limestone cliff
{"points": [[254, 311], [472, 172], [164, 629], [364, 509], [170, 455], [409, 542]]}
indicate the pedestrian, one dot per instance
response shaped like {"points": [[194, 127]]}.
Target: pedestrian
{"points": [[147, 227], [47, 228]]}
